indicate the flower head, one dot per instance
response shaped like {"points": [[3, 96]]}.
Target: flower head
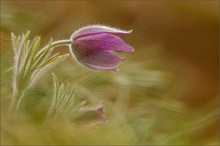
{"points": [[92, 46]]}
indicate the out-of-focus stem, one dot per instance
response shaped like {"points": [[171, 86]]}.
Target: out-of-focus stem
{"points": [[16, 101]]}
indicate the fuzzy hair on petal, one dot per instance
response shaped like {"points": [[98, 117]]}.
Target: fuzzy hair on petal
{"points": [[95, 29]]}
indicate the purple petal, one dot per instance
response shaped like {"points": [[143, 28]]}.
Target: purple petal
{"points": [[104, 41], [96, 29], [95, 58]]}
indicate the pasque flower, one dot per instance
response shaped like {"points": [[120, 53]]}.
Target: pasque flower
{"points": [[92, 46]]}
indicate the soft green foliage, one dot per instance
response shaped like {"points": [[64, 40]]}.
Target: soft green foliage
{"points": [[63, 103], [30, 63]]}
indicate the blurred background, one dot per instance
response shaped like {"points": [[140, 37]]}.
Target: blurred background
{"points": [[166, 92]]}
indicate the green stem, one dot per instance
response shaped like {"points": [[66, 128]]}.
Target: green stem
{"points": [[16, 101], [60, 43]]}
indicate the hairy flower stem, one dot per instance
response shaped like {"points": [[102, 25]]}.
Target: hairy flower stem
{"points": [[20, 85], [60, 43]]}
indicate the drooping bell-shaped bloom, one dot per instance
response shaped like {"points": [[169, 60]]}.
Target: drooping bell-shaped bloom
{"points": [[92, 46]]}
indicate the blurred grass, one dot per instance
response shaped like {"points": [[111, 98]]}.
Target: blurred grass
{"points": [[166, 92]]}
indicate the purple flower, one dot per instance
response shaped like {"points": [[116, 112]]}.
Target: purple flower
{"points": [[92, 46]]}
